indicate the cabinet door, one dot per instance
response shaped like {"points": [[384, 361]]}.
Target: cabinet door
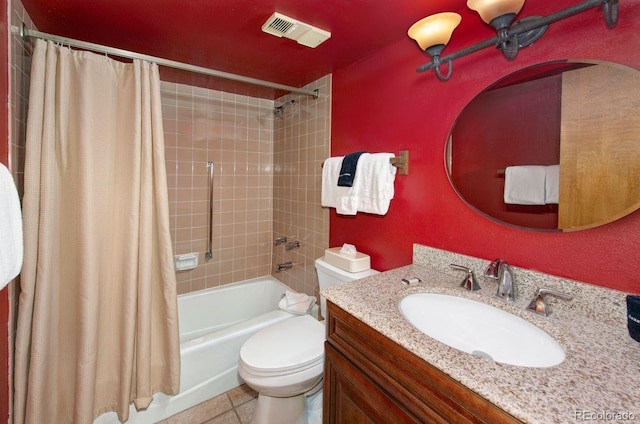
{"points": [[351, 398], [371, 379]]}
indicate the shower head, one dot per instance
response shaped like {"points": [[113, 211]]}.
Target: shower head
{"points": [[279, 110]]}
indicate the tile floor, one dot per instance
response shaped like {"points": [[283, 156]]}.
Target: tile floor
{"points": [[233, 407]]}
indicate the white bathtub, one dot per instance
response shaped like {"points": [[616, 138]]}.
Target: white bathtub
{"points": [[214, 323]]}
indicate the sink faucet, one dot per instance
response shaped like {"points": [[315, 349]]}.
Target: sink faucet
{"points": [[500, 270]]}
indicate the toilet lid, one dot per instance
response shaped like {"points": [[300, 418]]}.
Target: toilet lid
{"points": [[294, 343]]}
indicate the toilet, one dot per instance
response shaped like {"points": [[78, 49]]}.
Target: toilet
{"points": [[284, 362]]}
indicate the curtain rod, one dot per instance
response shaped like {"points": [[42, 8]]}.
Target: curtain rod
{"points": [[28, 33]]}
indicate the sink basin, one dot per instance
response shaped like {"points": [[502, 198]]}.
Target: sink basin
{"points": [[481, 330]]}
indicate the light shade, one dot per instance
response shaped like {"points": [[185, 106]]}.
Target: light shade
{"points": [[435, 29], [491, 9]]}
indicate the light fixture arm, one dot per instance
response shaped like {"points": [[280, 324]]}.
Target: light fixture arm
{"points": [[434, 52], [508, 44], [507, 39]]}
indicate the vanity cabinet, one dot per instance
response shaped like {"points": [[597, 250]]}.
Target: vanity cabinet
{"points": [[370, 379]]}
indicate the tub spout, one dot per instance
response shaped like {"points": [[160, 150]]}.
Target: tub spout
{"points": [[283, 266]]}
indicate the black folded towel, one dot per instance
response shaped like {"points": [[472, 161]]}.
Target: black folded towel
{"points": [[633, 316], [348, 169]]}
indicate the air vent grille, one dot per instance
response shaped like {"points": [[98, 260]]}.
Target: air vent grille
{"points": [[280, 25], [305, 34]]}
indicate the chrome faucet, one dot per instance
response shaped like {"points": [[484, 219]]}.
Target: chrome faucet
{"points": [[500, 270], [469, 281], [280, 240], [286, 265]]}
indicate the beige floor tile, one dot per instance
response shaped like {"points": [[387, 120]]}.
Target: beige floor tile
{"points": [[242, 394], [203, 411], [245, 411], [229, 417]]}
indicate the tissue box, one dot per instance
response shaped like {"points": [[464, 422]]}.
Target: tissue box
{"points": [[359, 262]]}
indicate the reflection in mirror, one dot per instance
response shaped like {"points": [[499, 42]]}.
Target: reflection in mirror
{"points": [[584, 117]]}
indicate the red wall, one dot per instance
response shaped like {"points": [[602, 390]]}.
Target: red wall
{"points": [[382, 104]]}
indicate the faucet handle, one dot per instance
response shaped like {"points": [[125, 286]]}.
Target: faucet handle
{"points": [[538, 304], [493, 269], [469, 281]]}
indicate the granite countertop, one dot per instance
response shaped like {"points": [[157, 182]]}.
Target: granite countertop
{"points": [[600, 376]]}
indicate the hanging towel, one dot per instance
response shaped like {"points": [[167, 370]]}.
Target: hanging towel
{"points": [[10, 228], [331, 192], [297, 303], [525, 185], [552, 184], [372, 189], [348, 169]]}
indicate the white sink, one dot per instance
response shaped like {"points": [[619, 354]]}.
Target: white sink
{"points": [[481, 330]]}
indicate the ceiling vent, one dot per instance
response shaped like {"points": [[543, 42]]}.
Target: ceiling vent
{"points": [[305, 34]]}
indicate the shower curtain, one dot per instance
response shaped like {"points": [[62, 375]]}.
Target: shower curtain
{"points": [[97, 315]]}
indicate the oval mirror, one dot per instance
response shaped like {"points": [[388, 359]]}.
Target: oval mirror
{"points": [[555, 147]]}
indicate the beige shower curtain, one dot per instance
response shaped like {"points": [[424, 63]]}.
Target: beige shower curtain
{"points": [[97, 317]]}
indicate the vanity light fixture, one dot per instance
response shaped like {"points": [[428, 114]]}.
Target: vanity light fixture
{"points": [[434, 32]]}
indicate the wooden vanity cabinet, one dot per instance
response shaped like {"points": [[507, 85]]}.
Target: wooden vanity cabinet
{"points": [[370, 379]]}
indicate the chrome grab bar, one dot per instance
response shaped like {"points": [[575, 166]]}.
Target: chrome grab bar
{"points": [[209, 254]]}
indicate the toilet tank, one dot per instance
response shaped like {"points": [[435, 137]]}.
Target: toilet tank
{"points": [[329, 275]]}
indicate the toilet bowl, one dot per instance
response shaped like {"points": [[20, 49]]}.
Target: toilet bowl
{"points": [[285, 361]]}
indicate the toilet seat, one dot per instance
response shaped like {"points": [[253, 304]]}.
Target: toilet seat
{"points": [[290, 346]]}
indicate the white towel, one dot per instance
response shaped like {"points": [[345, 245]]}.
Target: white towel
{"points": [[373, 188], [552, 184], [331, 192], [10, 229], [525, 185], [297, 303]]}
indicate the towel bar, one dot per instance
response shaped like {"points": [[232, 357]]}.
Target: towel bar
{"points": [[401, 162]]}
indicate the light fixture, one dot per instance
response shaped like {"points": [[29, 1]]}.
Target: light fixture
{"points": [[434, 32]]}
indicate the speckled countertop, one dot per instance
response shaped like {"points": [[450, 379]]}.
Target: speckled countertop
{"points": [[600, 375]]}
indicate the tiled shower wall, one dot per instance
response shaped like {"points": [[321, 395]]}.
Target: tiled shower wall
{"points": [[301, 144], [266, 183], [236, 134]]}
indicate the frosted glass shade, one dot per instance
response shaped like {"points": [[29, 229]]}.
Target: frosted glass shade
{"points": [[435, 29], [491, 9]]}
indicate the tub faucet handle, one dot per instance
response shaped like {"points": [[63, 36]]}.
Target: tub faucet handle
{"points": [[279, 240], [469, 281]]}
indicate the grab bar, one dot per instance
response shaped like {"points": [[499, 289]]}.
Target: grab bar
{"points": [[209, 254]]}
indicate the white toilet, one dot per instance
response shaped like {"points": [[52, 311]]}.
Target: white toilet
{"points": [[284, 362]]}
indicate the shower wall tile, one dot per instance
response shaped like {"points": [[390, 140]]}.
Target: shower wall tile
{"points": [[267, 183], [301, 144], [236, 133]]}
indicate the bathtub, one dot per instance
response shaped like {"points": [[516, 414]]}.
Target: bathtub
{"points": [[214, 323]]}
